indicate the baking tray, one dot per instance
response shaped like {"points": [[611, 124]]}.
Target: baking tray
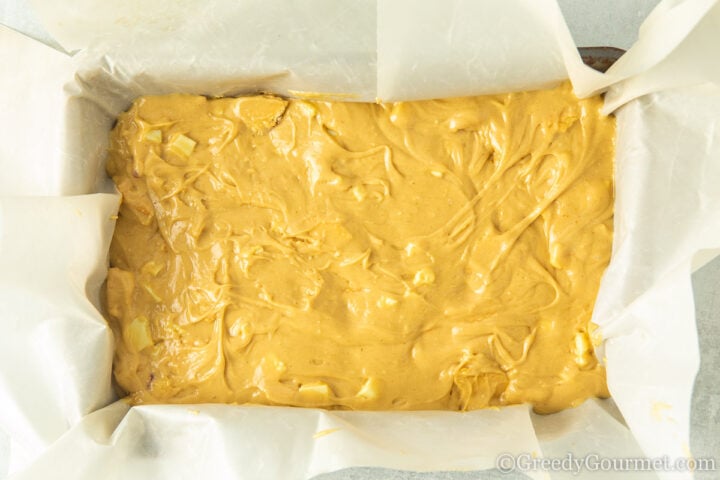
{"points": [[600, 58]]}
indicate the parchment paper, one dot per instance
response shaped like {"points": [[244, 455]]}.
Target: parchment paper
{"points": [[55, 349]]}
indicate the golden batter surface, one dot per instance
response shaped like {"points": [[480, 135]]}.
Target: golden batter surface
{"points": [[440, 254]]}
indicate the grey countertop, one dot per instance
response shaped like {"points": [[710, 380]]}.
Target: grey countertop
{"points": [[609, 23]]}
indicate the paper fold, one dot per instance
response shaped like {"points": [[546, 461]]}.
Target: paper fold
{"points": [[276, 442], [56, 349]]}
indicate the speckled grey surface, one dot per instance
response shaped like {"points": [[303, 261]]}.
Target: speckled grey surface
{"points": [[613, 23], [705, 414]]}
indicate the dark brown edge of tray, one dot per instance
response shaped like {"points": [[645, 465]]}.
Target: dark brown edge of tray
{"points": [[600, 58]]}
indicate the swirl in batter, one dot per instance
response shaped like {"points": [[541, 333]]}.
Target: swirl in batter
{"points": [[440, 254]]}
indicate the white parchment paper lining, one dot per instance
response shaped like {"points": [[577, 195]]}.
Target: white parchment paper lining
{"points": [[56, 401]]}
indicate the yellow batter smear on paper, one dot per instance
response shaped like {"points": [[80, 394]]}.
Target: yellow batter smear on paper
{"points": [[439, 254]]}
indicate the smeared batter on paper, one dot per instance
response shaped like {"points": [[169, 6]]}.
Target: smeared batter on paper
{"points": [[424, 255]]}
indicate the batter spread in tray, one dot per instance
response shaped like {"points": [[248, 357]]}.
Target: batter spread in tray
{"points": [[439, 254]]}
